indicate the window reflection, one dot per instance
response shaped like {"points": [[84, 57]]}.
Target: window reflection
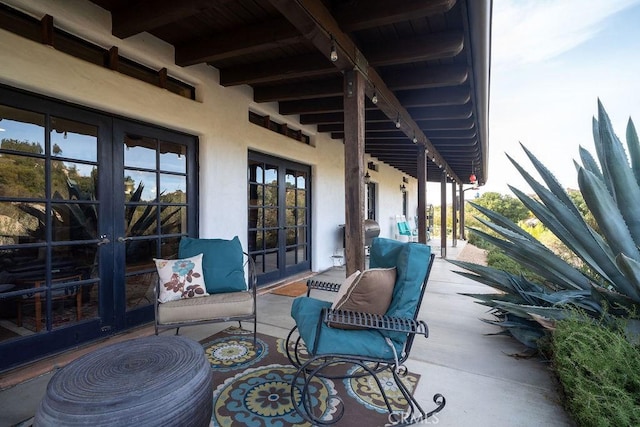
{"points": [[74, 140], [22, 176], [173, 188], [21, 130], [173, 157], [140, 152], [73, 181], [139, 186]]}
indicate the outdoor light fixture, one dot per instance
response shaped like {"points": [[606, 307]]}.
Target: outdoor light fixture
{"points": [[398, 121], [367, 178], [472, 178], [415, 140], [334, 53], [374, 98], [403, 188]]}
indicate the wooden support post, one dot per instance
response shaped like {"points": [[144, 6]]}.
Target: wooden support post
{"points": [[462, 236], [354, 86], [454, 215], [422, 194], [443, 215]]}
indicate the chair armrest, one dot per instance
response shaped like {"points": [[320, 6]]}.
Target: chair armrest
{"points": [[374, 321], [323, 286]]}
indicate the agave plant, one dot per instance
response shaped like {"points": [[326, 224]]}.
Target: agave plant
{"points": [[609, 285]]}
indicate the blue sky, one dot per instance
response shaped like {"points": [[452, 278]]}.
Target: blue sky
{"points": [[551, 61]]}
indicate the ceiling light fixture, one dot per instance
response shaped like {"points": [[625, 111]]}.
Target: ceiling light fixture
{"points": [[374, 98], [334, 52], [398, 121], [415, 140]]}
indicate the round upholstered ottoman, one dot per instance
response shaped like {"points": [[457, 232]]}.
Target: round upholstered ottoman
{"points": [[150, 381]]}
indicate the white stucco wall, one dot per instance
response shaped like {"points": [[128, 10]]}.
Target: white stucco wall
{"points": [[218, 117]]}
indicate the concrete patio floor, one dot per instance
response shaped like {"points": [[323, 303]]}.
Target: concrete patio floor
{"points": [[484, 384]]}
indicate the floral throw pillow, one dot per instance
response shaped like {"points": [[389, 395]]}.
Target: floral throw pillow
{"points": [[180, 278]]}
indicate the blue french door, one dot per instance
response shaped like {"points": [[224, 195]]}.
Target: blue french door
{"points": [[279, 229], [86, 201]]}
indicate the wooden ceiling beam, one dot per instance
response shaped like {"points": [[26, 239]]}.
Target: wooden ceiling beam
{"points": [[397, 134], [420, 98], [425, 125], [456, 112], [278, 70], [450, 134], [441, 113], [301, 90], [318, 25], [425, 48], [360, 15], [145, 15], [239, 41], [437, 96], [444, 124], [433, 77], [439, 76]]}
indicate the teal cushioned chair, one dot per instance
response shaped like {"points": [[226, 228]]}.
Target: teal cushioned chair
{"points": [[315, 348]]}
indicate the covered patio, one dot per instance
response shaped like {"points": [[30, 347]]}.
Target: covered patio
{"points": [[484, 383]]}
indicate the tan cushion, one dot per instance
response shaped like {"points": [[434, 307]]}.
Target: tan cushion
{"points": [[224, 305], [371, 292]]}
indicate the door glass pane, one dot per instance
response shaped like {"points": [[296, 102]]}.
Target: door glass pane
{"points": [[140, 152], [141, 220], [74, 221], [173, 188], [141, 186], [25, 221], [73, 139], [173, 220], [73, 181], [22, 176], [21, 130], [173, 157], [270, 174]]}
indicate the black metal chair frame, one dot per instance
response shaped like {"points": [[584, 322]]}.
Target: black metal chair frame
{"points": [[311, 365]]}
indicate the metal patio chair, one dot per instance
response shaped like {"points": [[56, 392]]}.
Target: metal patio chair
{"points": [[317, 345]]}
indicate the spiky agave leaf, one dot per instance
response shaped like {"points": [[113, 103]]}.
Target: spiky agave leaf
{"points": [[502, 221], [589, 163], [633, 146], [537, 257], [624, 187], [607, 215], [549, 179]]}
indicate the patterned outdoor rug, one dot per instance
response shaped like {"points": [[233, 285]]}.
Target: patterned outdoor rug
{"points": [[251, 386]]}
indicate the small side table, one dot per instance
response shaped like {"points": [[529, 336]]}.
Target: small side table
{"points": [[150, 381]]}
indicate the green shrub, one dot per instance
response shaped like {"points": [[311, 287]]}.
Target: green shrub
{"points": [[600, 373]]}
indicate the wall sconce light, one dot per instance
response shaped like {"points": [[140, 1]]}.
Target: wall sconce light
{"points": [[334, 52], [403, 188], [367, 178]]}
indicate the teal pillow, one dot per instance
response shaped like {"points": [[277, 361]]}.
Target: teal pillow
{"points": [[222, 263], [412, 262]]}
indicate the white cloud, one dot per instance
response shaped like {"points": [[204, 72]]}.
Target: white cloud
{"points": [[529, 31]]}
